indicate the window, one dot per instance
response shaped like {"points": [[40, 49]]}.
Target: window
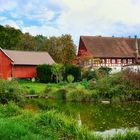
{"points": [[124, 61], [129, 61], [113, 61], [102, 61], [107, 61], [89, 62], [119, 61]]}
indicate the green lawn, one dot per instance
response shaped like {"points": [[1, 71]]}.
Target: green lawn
{"points": [[28, 85]]}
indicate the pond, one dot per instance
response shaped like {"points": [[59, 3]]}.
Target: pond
{"points": [[97, 117]]}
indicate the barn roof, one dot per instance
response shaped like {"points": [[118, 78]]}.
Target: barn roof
{"points": [[28, 57], [110, 46]]}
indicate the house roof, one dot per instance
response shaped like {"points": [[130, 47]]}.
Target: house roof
{"points": [[28, 57], [110, 46]]}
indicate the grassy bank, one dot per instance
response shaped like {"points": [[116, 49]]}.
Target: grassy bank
{"points": [[120, 87], [20, 124], [23, 124]]}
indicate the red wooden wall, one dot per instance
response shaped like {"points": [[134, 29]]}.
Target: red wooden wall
{"points": [[24, 71], [18, 71], [5, 66]]}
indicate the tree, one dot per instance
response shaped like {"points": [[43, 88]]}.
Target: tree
{"points": [[62, 49], [68, 49], [40, 42], [27, 42], [9, 37], [57, 70]]}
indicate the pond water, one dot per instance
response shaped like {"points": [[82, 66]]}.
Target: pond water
{"points": [[97, 117]]}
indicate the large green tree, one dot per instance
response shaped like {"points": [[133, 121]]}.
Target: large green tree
{"points": [[9, 37], [41, 42]]}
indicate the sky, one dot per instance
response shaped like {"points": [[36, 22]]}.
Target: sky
{"points": [[74, 17]]}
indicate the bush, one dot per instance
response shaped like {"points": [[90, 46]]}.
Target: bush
{"points": [[85, 83], [57, 73], [70, 78], [72, 70], [10, 91], [79, 93], [90, 74], [105, 70], [122, 86], [44, 73]]}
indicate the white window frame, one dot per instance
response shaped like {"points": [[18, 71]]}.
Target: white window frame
{"points": [[124, 61], [113, 61], [130, 61], [118, 61], [107, 61]]}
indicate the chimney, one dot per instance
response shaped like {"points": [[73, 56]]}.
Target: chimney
{"points": [[136, 49]]}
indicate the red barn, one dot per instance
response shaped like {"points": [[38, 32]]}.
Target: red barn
{"points": [[21, 64], [114, 52]]}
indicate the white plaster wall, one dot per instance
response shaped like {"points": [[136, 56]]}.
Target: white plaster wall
{"points": [[134, 68], [116, 69]]}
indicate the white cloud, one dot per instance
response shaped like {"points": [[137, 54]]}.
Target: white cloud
{"points": [[11, 23], [16, 24], [79, 17], [33, 10], [103, 17], [7, 5], [45, 30]]}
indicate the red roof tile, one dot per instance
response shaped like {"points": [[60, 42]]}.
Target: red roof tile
{"points": [[29, 57], [110, 46]]}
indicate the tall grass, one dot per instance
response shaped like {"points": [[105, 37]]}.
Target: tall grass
{"points": [[20, 124], [41, 125]]}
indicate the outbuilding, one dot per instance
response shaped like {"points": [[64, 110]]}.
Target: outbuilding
{"points": [[21, 64]]}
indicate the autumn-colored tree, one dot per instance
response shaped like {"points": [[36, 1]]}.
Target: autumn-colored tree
{"points": [[27, 42], [62, 49]]}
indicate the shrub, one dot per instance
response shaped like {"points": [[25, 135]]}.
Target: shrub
{"points": [[90, 74], [79, 93], [122, 86], [70, 78], [85, 83], [44, 73], [72, 70], [10, 91], [105, 70]]}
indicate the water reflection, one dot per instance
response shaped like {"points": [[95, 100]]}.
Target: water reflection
{"points": [[97, 117], [115, 131]]}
